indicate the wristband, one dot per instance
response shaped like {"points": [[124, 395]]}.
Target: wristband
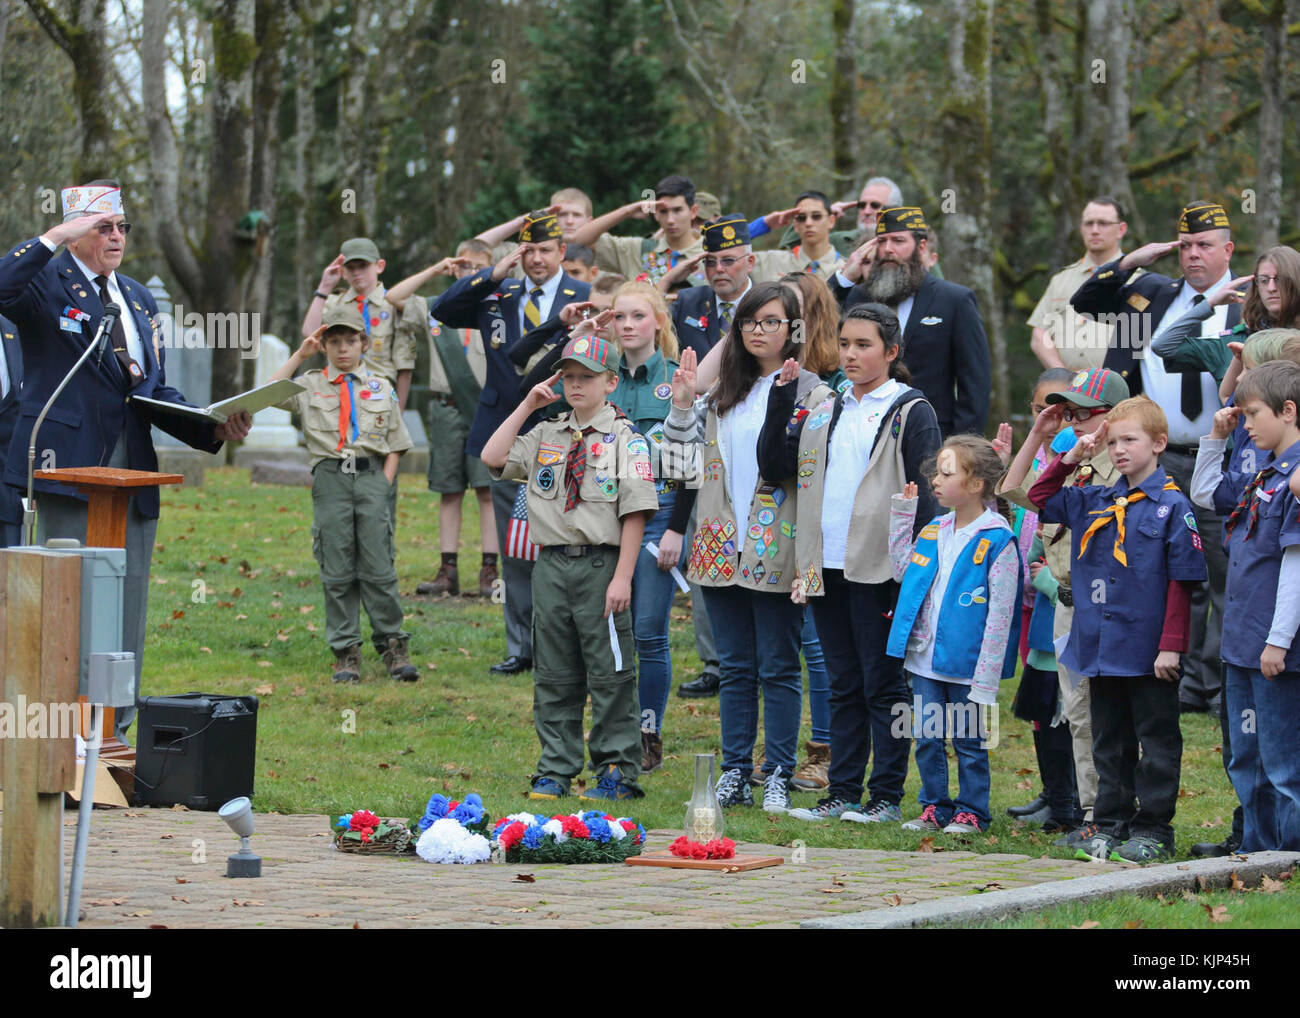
{"points": [[322, 296]]}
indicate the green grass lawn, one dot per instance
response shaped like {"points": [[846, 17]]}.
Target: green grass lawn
{"points": [[1275, 905], [236, 608]]}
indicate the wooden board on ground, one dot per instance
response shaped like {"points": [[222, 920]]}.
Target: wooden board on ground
{"points": [[739, 862]]}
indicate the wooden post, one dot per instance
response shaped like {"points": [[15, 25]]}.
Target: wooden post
{"points": [[40, 593]]}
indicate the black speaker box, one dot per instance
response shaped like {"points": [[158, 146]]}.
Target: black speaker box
{"points": [[197, 749]]}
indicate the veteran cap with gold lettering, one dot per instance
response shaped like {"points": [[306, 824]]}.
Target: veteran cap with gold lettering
{"points": [[539, 226], [1199, 216], [731, 230], [901, 218]]}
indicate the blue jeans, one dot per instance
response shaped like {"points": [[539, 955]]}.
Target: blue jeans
{"points": [[931, 725], [1265, 767], [652, 598], [819, 680], [758, 648]]}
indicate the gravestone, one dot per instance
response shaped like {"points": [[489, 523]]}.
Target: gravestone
{"points": [[187, 364], [273, 439]]}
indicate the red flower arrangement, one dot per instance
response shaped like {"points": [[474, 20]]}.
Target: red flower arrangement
{"points": [[718, 848]]}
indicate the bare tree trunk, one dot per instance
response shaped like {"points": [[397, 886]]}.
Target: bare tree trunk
{"points": [[1109, 35], [1272, 111], [844, 149], [1062, 195], [80, 34], [304, 140], [354, 127], [966, 120]]}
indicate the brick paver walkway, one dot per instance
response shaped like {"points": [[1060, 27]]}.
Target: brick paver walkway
{"points": [[147, 867]]}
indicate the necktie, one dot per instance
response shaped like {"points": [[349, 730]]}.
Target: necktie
{"points": [[364, 310], [134, 376], [1249, 498], [1116, 512], [575, 466], [533, 307], [347, 408], [727, 308]]}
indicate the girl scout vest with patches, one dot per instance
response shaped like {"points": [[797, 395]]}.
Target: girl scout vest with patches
{"points": [[866, 558], [959, 630], [768, 560]]}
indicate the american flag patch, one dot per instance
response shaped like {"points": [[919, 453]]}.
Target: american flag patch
{"points": [[517, 543]]}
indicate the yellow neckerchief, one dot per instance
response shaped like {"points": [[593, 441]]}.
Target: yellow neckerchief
{"points": [[1116, 512]]}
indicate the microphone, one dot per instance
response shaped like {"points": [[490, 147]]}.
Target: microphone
{"points": [[100, 341]]}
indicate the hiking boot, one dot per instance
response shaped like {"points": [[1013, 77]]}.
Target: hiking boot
{"points": [[776, 797], [487, 581], [347, 664], [812, 775], [733, 789], [877, 812], [652, 752], [612, 787], [396, 661], [446, 583]]}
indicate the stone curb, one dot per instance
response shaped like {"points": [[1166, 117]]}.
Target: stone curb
{"points": [[1202, 874]]}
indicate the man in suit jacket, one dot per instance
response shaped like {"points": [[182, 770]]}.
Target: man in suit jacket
{"points": [[56, 302], [1141, 308], [944, 345], [503, 310], [702, 314], [11, 384]]}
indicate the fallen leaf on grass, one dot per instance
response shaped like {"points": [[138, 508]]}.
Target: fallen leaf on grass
{"points": [[1087, 924], [264, 664], [299, 691], [994, 886], [471, 718], [1217, 913], [166, 837], [1135, 924], [305, 608], [1163, 900], [182, 880], [1236, 883], [178, 613], [464, 651], [206, 650], [1270, 886], [892, 900], [693, 710], [1216, 822], [551, 915], [525, 878], [431, 665], [926, 845], [240, 617], [833, 890], [265, 690], [383, 766], [1023, 771]]}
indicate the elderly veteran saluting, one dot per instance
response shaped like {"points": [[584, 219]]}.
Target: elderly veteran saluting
{"points": [[56, 303]]}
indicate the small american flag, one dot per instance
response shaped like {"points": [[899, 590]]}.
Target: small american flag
{"points": [[517, 543]]}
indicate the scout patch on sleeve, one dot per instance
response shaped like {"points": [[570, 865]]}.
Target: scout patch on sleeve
{"points": [[981, 550], [549, 454], [638, 447], [930, 532], [1190, 520], [920, 560], [643, 470], [1136, 300]]}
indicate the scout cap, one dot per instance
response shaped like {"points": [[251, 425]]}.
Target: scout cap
{"points": [[540, 226], [1199, 216], [361, 249], [1098, 387], [591, 352], [901, 218], [731, 230], [707, 206], [344, 314]]}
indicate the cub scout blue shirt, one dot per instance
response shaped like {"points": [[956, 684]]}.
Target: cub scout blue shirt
{"points": [[1255, 557], [1119, 611]]}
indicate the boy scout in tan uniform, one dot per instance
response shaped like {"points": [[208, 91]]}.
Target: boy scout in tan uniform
{"points": [[590, 491], [355, 436]]}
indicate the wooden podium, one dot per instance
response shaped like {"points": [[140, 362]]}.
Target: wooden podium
{"points": [[109, 490]]}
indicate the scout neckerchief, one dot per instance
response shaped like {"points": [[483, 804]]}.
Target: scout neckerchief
{"points": [[1116, 512], [575, 467], [365, 314], [347, 407], [1249, 497]]}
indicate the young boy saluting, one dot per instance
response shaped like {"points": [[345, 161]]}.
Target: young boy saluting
{"points": [[1136, 554], [1262, 604], [355, 437], [590, 492]]}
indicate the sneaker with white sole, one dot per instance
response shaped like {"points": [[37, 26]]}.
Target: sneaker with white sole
{"points": [[875, 812], [927, 821], [776, 795], [733, 789], [1098, 849], [826, 809], [963, 823]]}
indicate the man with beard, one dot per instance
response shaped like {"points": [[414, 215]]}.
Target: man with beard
{"points": [[944, 344]]}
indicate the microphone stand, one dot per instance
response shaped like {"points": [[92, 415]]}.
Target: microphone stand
{"points": [[111, 313]]}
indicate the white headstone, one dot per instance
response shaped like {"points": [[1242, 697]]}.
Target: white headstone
{"points": [[272, 427]]}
